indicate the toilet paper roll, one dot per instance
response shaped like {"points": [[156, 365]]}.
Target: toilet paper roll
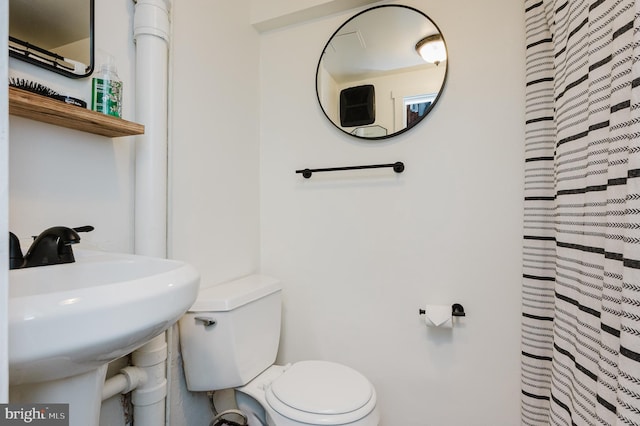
{"points": [[438, 316]]}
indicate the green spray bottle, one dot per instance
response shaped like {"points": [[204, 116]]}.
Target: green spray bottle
{"points": [[106, 90]]}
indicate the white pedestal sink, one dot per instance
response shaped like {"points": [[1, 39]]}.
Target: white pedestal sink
{"points": [[67, 322]]}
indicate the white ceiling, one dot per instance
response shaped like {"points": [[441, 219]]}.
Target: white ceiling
{"points": [[378, 41], [49, 23]]}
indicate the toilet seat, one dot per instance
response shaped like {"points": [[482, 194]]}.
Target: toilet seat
{"points": [[321, 393]]}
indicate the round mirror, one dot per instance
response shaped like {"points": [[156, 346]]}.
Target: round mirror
{"points": [[381, 72]]}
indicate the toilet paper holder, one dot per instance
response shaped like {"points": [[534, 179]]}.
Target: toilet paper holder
{"points": [[457, 310]]}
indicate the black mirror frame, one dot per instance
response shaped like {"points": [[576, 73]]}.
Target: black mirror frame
{"points": [[62, 71], [435, 100]]}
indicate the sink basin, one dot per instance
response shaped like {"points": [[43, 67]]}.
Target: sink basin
{"points": [[69, 319]]}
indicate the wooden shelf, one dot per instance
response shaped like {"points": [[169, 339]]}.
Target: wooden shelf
{"points": [[40, 108]]}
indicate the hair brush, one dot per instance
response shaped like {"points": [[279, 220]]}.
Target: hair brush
{"points": [[41, 89]]}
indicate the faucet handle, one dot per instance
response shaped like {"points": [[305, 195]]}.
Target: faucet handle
{"points": [[86, 228], [59, 229]]}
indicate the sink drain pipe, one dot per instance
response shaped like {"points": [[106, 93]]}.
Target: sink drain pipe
{"points": [[146, 381]]}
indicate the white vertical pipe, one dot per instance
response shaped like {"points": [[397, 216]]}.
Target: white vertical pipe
{"points": [[168, 372], [4, 204], [151, 34], [149, 397]]}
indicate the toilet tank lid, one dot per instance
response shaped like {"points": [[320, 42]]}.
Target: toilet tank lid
{"points": [[233, 294]]}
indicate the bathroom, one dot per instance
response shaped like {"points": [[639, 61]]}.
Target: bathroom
{"points": [[357, 253]]}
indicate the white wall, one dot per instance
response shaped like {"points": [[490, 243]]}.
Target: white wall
{"points": [[67, 177], [360, 252], [4, 207], [214, 188], [214, 139]]}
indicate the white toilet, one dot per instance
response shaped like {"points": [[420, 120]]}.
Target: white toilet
{"points": [[230, 338]]}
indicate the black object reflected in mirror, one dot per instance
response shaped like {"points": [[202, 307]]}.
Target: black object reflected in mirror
{"points": [[55, 35], [371, 82]]}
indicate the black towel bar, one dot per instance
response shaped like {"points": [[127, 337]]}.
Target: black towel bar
{"points": [[398, 167]]}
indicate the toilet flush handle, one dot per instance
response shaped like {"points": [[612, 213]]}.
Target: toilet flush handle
{"points": [[207, 322]]}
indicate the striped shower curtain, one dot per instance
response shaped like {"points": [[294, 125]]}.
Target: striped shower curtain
{"points": [[581, 248]]}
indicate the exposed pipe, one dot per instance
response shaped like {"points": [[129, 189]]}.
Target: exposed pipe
{"points": [[129, 378], [167, 402], [114, 385], [151, 29], [146, 381], [149, 397]]}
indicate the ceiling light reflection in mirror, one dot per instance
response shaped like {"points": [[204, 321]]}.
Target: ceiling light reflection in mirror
{"points": [[371, 81]]}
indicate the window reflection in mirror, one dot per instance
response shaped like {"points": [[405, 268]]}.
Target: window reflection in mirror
{"points": [[56, 35], [377, 47]]}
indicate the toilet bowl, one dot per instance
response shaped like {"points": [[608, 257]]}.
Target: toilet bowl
{"points": [[311, 392], [229, 339]]}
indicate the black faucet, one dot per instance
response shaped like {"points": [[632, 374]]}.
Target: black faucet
{"points": [[51, 247]]}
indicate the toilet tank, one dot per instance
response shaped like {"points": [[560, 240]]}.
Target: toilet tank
{"points": [[231, 333]]}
